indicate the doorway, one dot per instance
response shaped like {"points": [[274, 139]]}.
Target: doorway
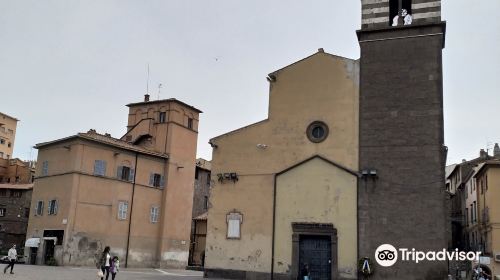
{"points": [[33, 253], [316, 245], [49, 251], [316, 252]]}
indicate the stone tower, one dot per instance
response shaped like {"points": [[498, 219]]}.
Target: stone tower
{"points": [[401, 199]]}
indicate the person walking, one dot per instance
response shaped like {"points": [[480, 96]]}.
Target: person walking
{"points": [[12, 255], [105, 262], [115, 267], [305, 272]]}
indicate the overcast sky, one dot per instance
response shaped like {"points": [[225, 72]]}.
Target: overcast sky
{"points": [[68, 66]]}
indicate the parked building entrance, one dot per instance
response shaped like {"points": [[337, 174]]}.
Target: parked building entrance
{"points": [[316, 251]]}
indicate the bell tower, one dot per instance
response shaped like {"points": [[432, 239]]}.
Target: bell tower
{"points": [[401, 198]]}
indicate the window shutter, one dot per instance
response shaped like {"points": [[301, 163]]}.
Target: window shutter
{"points": [[119, 172], [41, 208], [45, 168], [96, 167], [119, 210], [162, 182], [55, 207], [151, 179], [103, 167], [48, 206], [131, 175], [36, 208]]}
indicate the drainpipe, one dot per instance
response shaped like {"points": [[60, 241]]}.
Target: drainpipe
{"points": [[274, 230], [131, 210]]}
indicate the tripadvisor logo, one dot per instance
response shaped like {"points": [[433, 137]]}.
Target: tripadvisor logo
{"points": [[387, 255]]}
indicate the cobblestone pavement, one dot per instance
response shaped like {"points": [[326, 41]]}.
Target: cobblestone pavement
{"points": [[30, 272]]}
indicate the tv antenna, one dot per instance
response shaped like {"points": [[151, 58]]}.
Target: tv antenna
{"points": [[159, 89], [147, 82]]}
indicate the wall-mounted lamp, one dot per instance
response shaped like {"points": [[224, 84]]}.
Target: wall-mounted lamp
{"points": [[369, 173], [271, 78], [262, 146]]}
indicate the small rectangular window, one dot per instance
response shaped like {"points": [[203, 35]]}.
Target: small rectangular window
{"points": [[155, 212], [205, 203], [100, 168], [15, 193], [163, 117], [466, 216], [3, 212], [122, 210], [39, 208], [190, 123], [52, 207], [125, 173], [2, 141], [156, 180], [45, 168]]}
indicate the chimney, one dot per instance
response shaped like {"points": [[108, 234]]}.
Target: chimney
{"points": [[496, 151], [146, 97], [483, 154]]}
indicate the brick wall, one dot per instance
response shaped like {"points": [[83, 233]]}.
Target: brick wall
{"points": [[401, 136], [14, 224]]}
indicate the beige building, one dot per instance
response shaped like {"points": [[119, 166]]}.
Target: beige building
{"points": [[487, 229], [8, 126], [133, 194], [285, 188]]}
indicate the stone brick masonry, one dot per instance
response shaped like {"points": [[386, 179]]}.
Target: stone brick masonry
{"points": [[401, 136]]}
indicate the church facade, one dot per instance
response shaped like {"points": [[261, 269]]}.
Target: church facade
{"points": [[350, 157], [289, 181]]}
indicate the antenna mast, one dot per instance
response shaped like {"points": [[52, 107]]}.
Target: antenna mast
{"points": [[147, 82], [159, 89]]}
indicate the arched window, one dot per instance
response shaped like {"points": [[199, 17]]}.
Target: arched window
{"points": [[395, 7]]}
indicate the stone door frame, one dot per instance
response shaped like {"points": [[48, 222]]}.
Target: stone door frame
{"points": [[313, 229]]}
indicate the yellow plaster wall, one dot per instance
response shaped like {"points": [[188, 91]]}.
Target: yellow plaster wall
{"points": [[321, 87], [317, 192]]}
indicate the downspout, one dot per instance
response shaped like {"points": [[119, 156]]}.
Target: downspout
{"points": [[131, 210], [274, 230]]}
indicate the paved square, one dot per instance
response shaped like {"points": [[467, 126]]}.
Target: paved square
{"points": [[31, 272]]}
